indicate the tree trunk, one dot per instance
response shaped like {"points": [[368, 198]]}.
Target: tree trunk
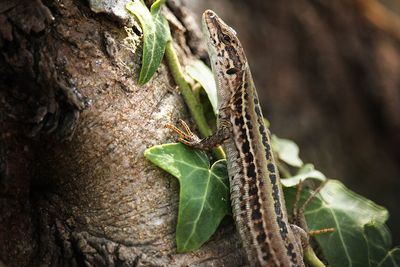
{"points": [[75, 188]]}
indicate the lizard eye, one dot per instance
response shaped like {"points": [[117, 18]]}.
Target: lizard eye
{"points": [[231, 71], [224, 38], [227, 38]]}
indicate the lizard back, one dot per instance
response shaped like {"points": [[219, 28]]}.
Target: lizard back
{"points": [[256, 193]]}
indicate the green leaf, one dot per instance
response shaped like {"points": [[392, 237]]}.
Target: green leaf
{"points": [[204, 192], [360, 238], [202, 74], [354, 242], [392, 258], [305, 172], [287, 151], [379, 242], [156, 34]]}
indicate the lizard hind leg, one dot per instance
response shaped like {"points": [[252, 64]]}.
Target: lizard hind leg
{"points": [[300, 228], [298, 212], [302, 237]]}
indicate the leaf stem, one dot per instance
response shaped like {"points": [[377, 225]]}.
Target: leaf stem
{"points": [[283, 169], [195, 107], [312, 259]]}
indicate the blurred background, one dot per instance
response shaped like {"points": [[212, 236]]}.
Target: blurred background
{"points": [[328, 75]]}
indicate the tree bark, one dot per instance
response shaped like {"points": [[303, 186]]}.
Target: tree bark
{"points": [[75, 187]]}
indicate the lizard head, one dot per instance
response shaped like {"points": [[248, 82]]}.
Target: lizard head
{"points": [[227, 57]]}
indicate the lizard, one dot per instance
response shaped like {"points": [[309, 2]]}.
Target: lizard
{"points": [[257, 198]]}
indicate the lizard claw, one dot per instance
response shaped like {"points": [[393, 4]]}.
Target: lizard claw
{"points": [[186, 136]]}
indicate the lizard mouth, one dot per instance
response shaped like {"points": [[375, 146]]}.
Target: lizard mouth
{"points": [[209, 14], [214, 24], [209, 19]]}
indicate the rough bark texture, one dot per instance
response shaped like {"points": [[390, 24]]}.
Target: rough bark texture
{"points": [[328, 76], [74, 186]]}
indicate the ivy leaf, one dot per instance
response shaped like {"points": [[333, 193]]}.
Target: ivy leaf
{"points": [[287, 151], [360, 238], [204, 192], [203, 75], [156, 34], [392, 259], [379, 242], [305, 172]]}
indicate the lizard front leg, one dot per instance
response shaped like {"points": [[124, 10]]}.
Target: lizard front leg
{"points": [[187, 137]]}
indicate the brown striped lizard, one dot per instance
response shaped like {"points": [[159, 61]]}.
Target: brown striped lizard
{"points": [[256, 194]]}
